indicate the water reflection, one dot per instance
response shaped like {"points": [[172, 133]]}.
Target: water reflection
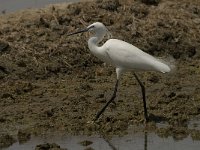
{"points": [[169, 138], [145, 140], [112, 146], [139, 141]]}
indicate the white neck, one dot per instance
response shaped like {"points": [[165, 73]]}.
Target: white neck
{"points": [[93, 44], [94, 48], [98, 51], [94, 41]]}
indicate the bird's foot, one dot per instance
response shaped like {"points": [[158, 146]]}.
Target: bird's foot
{"points": [[91, 122], [113, 104]]}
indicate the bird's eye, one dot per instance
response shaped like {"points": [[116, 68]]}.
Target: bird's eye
{"points": [[91, 28]]}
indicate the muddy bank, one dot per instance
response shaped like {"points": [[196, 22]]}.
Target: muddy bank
{"points": [[50, 82]]}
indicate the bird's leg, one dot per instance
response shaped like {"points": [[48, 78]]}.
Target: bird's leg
{"points": [[143, 96], [111, 100]]}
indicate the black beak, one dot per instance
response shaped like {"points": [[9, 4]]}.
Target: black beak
{"points": [[83, 30]]}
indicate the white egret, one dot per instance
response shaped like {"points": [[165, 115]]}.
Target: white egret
{"points": [[122, 55]]}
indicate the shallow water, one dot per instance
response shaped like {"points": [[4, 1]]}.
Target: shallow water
{"points": [[14, 5], [139, 141], [135, 139]]}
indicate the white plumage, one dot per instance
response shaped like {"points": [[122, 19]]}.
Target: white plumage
{"points": [[122, 55], [127, 56]]}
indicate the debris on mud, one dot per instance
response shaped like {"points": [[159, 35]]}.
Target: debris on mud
{"points": [[48, 146], [6, 140], [51, 82], [195, 134], [151, 2], [85, 143], [23, 136], [3, 46]]}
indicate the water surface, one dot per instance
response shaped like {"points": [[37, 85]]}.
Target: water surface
{"points": [[14, 5], [138, 141]]}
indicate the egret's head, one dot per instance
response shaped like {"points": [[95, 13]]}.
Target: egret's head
{"points": [[97, 27]]}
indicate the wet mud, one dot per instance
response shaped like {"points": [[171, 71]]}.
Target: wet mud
{"points": [[50, 82]]}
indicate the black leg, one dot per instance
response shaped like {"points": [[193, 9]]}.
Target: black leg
{"points": [[111, 100], [143, 96], [145, 140]]}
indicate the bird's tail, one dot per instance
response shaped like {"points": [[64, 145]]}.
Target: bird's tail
{"points": [[167, 64]]}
